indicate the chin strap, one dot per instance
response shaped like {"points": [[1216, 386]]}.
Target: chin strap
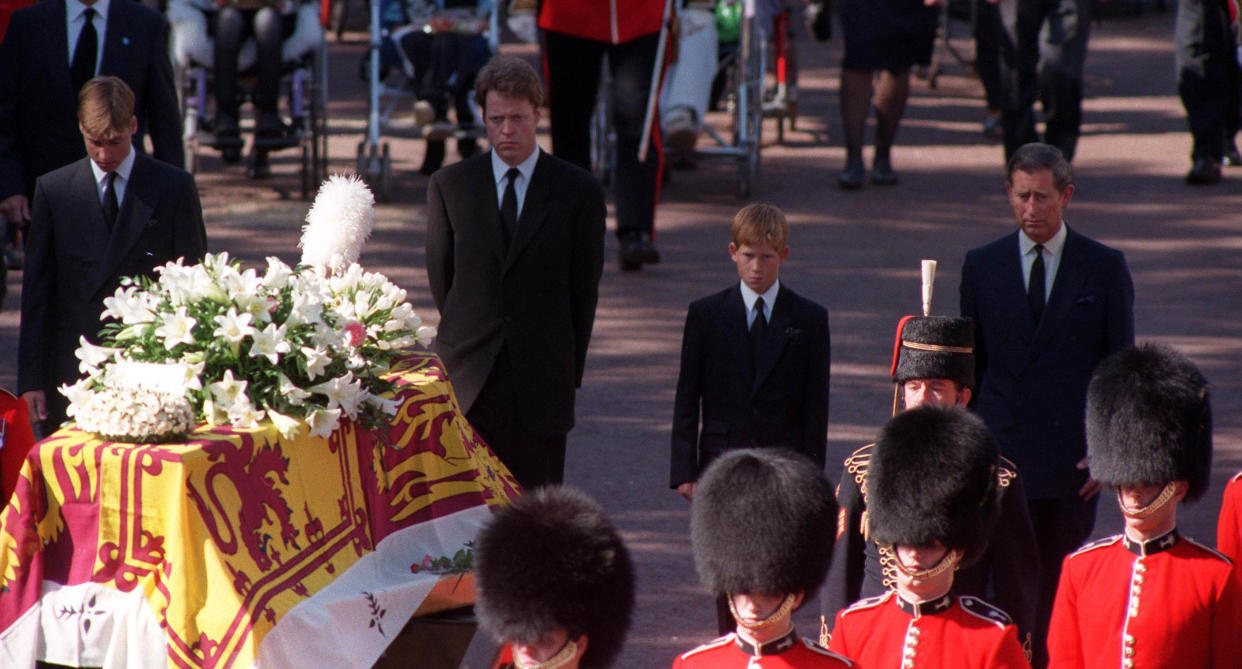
{"points": [[1161, 500], [948, 561], [562, 658], [776, 616]]}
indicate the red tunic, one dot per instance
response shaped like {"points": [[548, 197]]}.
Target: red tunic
{"points": [[1169, 602], [962, 632], [1229, 525], [787, 652], [612, 21], [16, 438]]}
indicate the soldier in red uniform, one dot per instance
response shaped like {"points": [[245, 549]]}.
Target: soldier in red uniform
{"points": [[1148, 597], [934, 501], [761, 529], [933, 363], [1229, 525], [16, 438], [555, 582]]}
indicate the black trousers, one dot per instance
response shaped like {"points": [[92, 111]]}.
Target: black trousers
{"points": [[230, 26], [1207, 75], [1061, 526], [573, 71], [987, 33], [535, 458], [1043, 49]]}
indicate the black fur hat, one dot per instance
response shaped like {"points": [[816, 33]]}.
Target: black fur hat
{"points": [[554, 560], [763, 520], [935, 347], [1149, 420], [932, 478]]}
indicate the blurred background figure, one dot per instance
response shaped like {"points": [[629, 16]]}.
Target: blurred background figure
{"points": [[235, 37], [688, 81], [577, 35], [1205, 49], [883, 38]]}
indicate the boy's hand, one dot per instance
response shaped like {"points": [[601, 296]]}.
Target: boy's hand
{"points": [[687, 490]]}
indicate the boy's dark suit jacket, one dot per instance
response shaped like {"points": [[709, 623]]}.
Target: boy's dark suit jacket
{"points": [[1032, 381], [39, 108], [73, 262], [537, 301], [784, 404]]}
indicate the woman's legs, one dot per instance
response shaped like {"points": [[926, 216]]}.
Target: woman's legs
{"points": [[856, 90], [891, 92]]}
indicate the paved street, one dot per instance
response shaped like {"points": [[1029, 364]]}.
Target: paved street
{"points": [[855, 252]]}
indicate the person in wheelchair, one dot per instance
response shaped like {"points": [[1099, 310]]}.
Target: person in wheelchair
{"points": [[443, 47], [232, 37]]}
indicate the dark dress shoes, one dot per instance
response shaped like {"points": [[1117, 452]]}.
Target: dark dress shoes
{"points": [[882, 173], [852, 176], [1203, 171]]}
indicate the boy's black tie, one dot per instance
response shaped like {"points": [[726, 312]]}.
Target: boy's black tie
{"points": [[758, 330], [110, 204]]}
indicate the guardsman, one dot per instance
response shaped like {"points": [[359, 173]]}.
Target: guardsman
{"points": [[933, 364], [555, 582], [16, 438], [1148, 597], [934, 501], [761, 529]]}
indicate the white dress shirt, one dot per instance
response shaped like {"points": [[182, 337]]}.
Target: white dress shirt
{"points": [[769, 300], [1052, 258], [526, 167], [120, 183]]}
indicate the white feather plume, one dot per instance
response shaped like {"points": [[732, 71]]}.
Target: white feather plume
{"points": [[338, 223]]}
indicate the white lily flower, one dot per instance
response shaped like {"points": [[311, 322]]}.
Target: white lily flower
{"points": [[277, 274], [234, 326], [388, 406], [227, 389], [288, 426], [244, 414], [317, 361], [92, 356], [323, 421], [426, 334], [290, 391], [176, 329], [269, 343], [343, 392], [79, 394]]}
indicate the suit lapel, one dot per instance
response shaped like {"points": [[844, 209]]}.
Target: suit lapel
{"points": [[116, 41], [87, 213], [1006, 270], [58, 42], [141, 194], [731, 318], [534, 209], [774, 343], [485, 212]]}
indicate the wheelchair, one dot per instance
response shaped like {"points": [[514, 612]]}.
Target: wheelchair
{"points": [[385, 58], [303, 87]]}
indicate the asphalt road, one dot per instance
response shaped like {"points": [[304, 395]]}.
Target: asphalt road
{"points": [[855, 252]]}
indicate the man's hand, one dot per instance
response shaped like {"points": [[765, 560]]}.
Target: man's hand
{"points": [[1092, 487], [687, 490], [36, 405], [16, 208]]}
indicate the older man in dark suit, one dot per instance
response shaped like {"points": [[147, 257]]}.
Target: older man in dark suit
{"points": [[114, 214], [42, 66], [515, 249], [1049, 304]]}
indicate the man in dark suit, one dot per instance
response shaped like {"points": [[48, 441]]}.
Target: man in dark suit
{"points": [[1048, 304], [114, 214], [515, 249], [41, 70]]}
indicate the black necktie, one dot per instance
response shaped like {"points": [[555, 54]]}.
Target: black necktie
{"points": [[1035, 287], [508, 205], [83, 66], [758, 330], [110, 204]]}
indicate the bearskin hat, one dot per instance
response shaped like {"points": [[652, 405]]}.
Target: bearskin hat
{"points": [[935, 347], [932, 478], [1149, 420], [551, 560], [763, 520]]}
